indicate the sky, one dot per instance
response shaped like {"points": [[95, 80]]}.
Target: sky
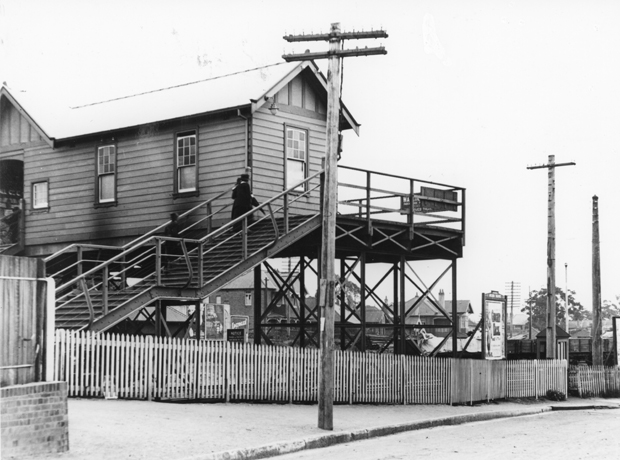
{"points": [[470, 93]]}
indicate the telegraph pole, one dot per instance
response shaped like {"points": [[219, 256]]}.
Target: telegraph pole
{"points": [[566, 297], [328, 247], [550, 332], [597, 342]]}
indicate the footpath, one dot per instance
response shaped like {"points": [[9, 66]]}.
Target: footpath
{"points": [[123, 429]]}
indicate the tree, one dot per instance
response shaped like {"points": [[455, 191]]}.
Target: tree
{"points": [[538, 302], [610, 309]]}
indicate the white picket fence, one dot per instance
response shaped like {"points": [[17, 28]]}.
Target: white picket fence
{"points": [[588, 381], [144, 367]]}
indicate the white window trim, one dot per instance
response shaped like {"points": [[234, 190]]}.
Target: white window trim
{"points": [[179, 168], [304, 161], [100, 174], [45, 205]]}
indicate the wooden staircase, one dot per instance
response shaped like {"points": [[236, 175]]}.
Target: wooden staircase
{"points": [[222, 260]]}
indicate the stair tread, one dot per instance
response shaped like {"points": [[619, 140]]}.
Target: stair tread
{"points": [[220, 255]]}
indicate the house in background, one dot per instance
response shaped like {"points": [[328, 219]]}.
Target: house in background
{"points": [[427, 313], [518, 328], [239, 294]]}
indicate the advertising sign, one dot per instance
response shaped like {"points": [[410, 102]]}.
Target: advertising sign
{"points": [[616, 324], [494, 325], [214, 323], [430, 200]]}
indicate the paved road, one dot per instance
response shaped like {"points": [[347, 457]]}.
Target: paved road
{"points": [[563, 435]]}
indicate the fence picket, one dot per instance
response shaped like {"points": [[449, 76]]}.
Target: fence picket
{"points": [[171, 368]]}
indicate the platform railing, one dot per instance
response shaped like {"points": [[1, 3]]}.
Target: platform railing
{"points": [[372, 195]]}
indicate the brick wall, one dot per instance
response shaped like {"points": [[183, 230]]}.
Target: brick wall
{"points": [[34, 419]]}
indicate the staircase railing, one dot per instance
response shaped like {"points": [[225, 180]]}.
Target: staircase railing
{"points": [[142, 258]]}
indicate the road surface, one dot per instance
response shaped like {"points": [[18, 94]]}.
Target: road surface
{"points": [[580, 434]]}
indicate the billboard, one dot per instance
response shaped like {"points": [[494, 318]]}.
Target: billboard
{"points": [[493, 326], [430, 200]]}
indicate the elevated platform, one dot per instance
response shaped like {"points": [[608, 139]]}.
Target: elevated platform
{"points": [[382, 218]]}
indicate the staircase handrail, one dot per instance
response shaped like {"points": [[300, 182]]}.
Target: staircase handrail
{"points": [[138, 242], [141, 237], [260, 207], [151, 239]]}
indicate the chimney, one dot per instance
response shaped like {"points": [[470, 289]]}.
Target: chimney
{"points": [[442, 299]]}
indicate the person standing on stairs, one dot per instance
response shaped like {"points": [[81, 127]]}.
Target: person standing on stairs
{"points": [[171, 248], [243, 201]]}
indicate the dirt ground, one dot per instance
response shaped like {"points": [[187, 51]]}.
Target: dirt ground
{"points": [[584, 434], [124, 429]]}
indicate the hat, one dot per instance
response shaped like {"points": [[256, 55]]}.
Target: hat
{"points": [[245, 177]]}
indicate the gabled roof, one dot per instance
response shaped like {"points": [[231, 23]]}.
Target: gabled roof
{"points": [[426, 308], [249, 88], [559, 333]]}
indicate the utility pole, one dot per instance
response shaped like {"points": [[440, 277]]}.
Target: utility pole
{"points": [[329, 206], [529, 304], [550, 332], [515, 298], [566, 297], [597, 342]]}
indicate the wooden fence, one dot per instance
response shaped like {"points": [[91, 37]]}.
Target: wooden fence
{"points": [[141, 367], [22, 320], [588, 381]]}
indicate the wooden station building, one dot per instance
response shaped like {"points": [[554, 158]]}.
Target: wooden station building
{"points": [[96, 184]]}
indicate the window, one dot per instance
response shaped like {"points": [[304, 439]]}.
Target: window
{"points": [[218, 299], [106, 174], [296, 157], [40, 195], [248, 299], [185, 159]]}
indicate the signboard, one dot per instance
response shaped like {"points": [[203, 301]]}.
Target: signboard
{"points": [[235, 335], [616, 324], [493, 325], [430, 200], [215, 321]]}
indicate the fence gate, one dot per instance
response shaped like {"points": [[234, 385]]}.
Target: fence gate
{"points": [[22, 320]]}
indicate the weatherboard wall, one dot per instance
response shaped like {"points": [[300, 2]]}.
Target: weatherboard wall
{"points": [[299, 106], [145, 182]]}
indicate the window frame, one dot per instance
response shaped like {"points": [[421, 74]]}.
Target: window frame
{"points": [[47, 193], [248, 299], [305, 161], [187, 133], [98, 201]]}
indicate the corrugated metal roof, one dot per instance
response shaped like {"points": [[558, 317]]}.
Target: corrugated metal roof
{"points": [[204, 96]]}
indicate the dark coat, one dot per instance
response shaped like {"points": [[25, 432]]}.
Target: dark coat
{"points": [[243, 201]]}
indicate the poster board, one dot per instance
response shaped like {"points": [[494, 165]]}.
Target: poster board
{"points": [[616, 324], [215, 321], [239, 329], [494, 340]]}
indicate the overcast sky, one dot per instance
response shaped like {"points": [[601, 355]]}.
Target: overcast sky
{"points": [[470, 94]]}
